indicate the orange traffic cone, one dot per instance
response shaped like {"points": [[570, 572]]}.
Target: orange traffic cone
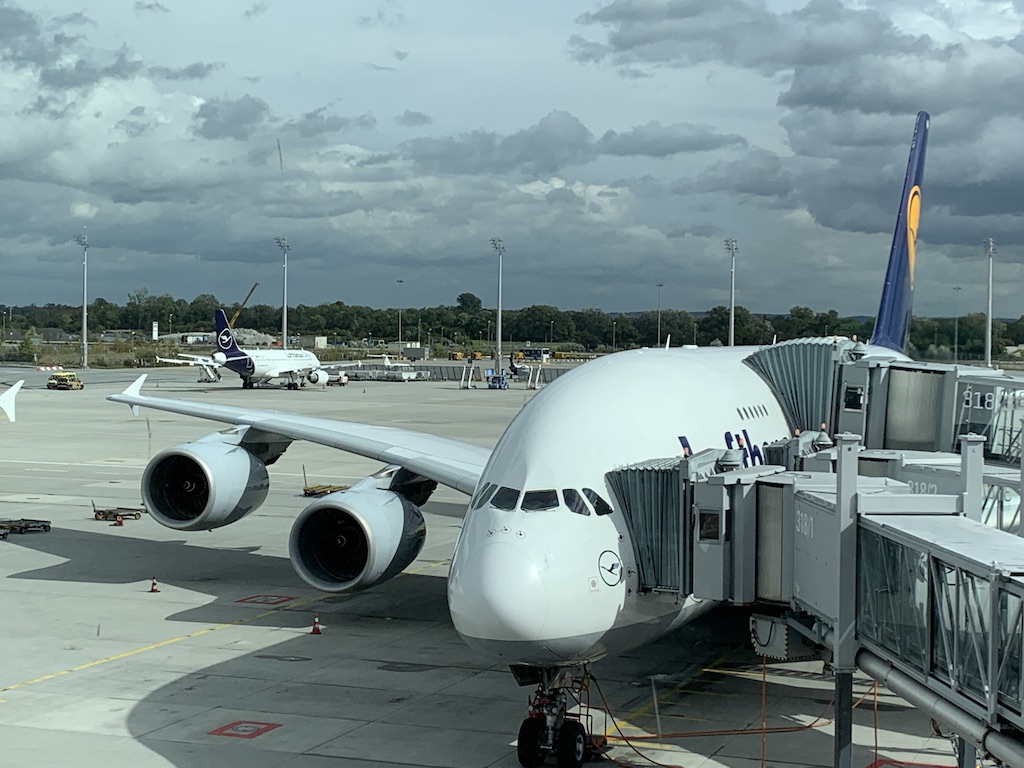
{"points": [[316, 625], [152, 587]]}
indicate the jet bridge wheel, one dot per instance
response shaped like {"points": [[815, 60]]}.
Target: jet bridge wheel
{"points": [[530, 746], [571, 745]]}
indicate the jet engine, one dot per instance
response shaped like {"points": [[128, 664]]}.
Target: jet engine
{"points": [[317, 376], [203, 485], [350, 540]]}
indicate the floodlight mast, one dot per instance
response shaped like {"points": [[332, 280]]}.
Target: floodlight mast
{"points": [[282, 243], [990, 249], [659, 286], [731, 246], [83, 240], [498, 246], [399, 315]]}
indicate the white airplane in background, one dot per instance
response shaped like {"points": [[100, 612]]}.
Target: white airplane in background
{"points": [[258, 366], [7, 399], [543, 574]]}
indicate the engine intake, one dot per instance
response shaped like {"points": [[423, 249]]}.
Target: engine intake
{"points": [[203, 485], [353, 539], [317, 376]]}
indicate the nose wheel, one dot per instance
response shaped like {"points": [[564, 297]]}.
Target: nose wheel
{"points": [[552, 727]]}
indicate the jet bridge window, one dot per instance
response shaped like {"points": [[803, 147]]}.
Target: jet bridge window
{"points": [[536, 501], [853, 399], [600, 505], [506, 498], [575, 502]]}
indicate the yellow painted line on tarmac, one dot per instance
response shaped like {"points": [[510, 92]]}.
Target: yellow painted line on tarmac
{"points": [[161, 644]]}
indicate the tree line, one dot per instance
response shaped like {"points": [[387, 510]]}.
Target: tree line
{"points": [[468, 323]]}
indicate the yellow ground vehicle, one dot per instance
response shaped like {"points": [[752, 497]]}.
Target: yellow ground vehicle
{"points": [[65, 380], [454, 355]]}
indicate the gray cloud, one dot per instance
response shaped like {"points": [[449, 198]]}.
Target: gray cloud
{"points": [[231, 118], [758, 172], [413, 119], [319, 122], [84, 74], [557, 140], [389, 16], [254, 10], [143, 7], [657, 140], [197, 70]]}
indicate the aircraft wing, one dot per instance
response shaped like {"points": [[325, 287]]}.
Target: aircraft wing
{"points": [[450, 462]]}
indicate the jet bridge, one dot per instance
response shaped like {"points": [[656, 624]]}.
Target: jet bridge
{"points": [[871, 570], [893, 402]]}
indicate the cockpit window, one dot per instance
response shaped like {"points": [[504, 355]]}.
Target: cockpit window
{"points": [[600, 505], [575, 502], [505, 498], [535, 501], [483, 495]]}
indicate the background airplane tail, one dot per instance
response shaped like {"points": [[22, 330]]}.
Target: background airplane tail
{"points": [[892, 326], [225, 336]]}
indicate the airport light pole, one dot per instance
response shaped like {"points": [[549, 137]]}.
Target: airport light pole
{"points": [[956, 323], [990, 249], [551, 332], [660, 286], [170, 326], [282, 243], [399, 314], [613, 335], [83, 240], [499, 247], [731, 246]]}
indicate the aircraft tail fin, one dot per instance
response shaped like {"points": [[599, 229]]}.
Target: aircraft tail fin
{"points": [[892, 326], [7, 400], [225, 336]]}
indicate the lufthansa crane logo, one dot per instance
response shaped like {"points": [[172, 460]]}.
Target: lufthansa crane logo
{"points": [[224, 339], [913, 218]]}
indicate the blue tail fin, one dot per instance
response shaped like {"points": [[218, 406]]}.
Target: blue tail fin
{"points": [[225, 336], [892, 326]]}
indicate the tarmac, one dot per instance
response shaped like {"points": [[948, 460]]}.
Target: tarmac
{"points": [[219, 666]]}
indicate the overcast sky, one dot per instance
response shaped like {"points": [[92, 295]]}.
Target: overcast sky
{"points": [[611, 145]]}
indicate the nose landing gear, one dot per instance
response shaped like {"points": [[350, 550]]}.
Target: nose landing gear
{"points": [[550, 725]]}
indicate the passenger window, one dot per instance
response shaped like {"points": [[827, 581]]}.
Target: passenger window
{"points": [[505, 498], [483, 495], [600, 505], [575, 502], [535, 501]]}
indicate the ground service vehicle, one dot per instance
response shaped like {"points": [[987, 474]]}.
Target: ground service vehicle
{"points": [[65, 380]]}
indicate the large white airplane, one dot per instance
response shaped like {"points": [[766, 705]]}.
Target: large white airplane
{"points": [[7, 399], [257, 366], [543, 574]]}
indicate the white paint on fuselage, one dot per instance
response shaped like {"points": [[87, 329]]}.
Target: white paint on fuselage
{"points": [[523, 584]]}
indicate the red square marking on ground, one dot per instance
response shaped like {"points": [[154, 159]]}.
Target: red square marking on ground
{"points": [[244, 729], [266, 599]]}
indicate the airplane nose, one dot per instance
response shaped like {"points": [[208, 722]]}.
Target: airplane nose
{"points": [[497, 594]]}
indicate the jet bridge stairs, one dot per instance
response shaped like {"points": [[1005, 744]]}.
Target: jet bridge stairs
{"points": [[882, 555]]}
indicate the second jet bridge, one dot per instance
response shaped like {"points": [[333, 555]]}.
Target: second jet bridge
{"points": [[893, 402]]}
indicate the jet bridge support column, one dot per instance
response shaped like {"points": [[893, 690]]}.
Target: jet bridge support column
{"points": [[972, 471], [844, 655]]}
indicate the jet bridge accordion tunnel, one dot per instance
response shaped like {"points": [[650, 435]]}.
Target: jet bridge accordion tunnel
{"points": [[895, 403]]}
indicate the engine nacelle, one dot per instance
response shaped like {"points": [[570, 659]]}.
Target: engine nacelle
{"points": [[351, 540], [203, 485], [317, 376]]}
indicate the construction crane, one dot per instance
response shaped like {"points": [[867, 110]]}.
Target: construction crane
{"points": [[234, 317]]}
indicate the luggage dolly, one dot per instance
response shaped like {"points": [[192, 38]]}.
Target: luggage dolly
{"points": [[116, 514], [22, 526]]}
